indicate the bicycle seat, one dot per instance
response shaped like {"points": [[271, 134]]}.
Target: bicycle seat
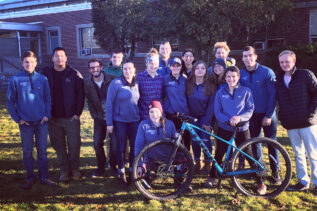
{"points": [[185, 117]]}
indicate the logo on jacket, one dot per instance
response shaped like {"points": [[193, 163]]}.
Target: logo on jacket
{"points": [[244, 78], [23, 83], [225, 96], [67, 80], [151, 131]]}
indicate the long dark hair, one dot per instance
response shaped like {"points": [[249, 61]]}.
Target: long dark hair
{"points": [[209, 88]]}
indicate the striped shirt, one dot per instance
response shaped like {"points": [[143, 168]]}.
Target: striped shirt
{"points": [[150, 89]]}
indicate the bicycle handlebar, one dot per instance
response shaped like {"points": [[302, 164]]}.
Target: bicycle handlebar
{"points": [[185, 117]]}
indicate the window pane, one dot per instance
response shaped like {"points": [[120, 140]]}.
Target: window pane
{"points": [[85, 38], [313, 22], [53, 43], [52, 33]]}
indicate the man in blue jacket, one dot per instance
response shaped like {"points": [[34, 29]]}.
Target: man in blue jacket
{"points": [[67, 91], [261, 80], [165, 51], [297, 99], [29, 104]]}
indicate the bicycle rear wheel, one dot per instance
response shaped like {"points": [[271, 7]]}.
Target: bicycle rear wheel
{"points": [[277, 160], [160, 181]]}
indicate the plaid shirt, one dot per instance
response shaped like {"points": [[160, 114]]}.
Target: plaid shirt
{"points": [[150, 89]]}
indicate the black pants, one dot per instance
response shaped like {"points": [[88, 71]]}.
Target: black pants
{"points": [[221, 148], [178, 124]]}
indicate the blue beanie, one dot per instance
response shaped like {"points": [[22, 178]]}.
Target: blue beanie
{"points": [[219, 61]]}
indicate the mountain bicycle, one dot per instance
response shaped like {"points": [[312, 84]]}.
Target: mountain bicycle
{"points": [[164, 169]]}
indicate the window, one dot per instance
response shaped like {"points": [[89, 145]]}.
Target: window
{"points": [[87, 44], [53, 38], [174, 43], [313, 25]]}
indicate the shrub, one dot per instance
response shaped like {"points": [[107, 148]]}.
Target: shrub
{"points": [[306, 57]]}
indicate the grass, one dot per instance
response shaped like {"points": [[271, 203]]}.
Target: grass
{"points": [[105, 193]]}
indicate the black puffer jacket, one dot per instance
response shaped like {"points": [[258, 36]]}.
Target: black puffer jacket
{"points": [[298, 103], [73, 90]]}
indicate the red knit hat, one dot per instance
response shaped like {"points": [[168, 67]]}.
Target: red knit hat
{"points": [[156, 104]]}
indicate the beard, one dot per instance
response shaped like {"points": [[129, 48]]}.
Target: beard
{"points": [[96, 76]]}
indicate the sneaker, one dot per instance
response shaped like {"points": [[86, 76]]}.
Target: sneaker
{"points": [[261, 189], [206, 168], [298, 187], [98, 173], [123, 180], [48, 182], [197, 165], [276, 178], [210, 183], [63, 177], [76, 175], [130, 178], [28, 184]]}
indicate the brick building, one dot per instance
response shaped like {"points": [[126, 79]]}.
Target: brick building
{"points": [[42, 25]]}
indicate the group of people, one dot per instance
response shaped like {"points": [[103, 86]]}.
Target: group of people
{"points": [[139, 108]]}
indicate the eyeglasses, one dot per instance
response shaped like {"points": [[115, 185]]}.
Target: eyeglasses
{"points": [[95, 67]]}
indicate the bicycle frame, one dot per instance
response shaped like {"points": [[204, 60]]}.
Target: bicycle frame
{"points": [[190, 127]]}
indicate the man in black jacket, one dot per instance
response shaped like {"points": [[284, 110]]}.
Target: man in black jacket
{"points": [[67, 92], [96, 87], [297, 98]]}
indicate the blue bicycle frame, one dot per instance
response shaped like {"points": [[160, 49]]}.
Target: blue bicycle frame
{"points": [[189, 127]]}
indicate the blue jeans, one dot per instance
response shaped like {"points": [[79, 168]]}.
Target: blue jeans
{"points": [[27, 132], [269, 132], [195, 145], [124, 130], [100, 131]]}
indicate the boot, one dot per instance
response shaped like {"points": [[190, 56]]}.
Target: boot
{"points": [[197, 166], [206, 168]]}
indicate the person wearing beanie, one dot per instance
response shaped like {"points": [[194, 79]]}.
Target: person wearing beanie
{"points": [[150, 83], [217, 75], [156, 127]]}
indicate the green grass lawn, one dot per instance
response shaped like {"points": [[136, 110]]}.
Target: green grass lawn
{"points": [[105, 193]]}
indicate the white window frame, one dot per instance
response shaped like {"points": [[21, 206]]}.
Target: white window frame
{"points": [[52, 28], [78, 37]]}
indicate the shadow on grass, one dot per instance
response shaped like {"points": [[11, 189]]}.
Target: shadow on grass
{"points": [[284, 141], [9, 146]]}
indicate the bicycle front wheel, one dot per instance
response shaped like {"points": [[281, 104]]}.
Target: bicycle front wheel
{"points": [[158, 180], [276, 174]]}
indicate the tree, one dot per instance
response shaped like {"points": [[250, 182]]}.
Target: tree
{"points": [[120, 24], [202, 22]]}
